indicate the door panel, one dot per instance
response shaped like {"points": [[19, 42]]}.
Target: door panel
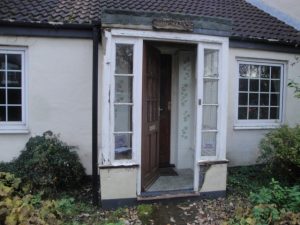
{"points": [[165, 110], [150, 115]]}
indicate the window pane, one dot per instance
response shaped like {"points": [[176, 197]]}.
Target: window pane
{"points": [[14, 113], [209, 117], [211, 63], [243, 85], [264, 99], [264, 85], [242, 114], [274, 113], [208, 144], [123, 87], [244, 70], [13, 62], [123, 146], [265, 72], [253, 113], [124, 59], [275, 71], [210, 91], [2, 79], [243, 99], [2, 96], [2, 113], [275, 99], [254, 71], [254, 85], [275, 86], [2, 61], [263, 113], [14, 96], [123, 118], [14, 79], [253, 99]]}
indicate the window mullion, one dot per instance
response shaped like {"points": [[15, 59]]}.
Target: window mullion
{"points": [[6, 91]]}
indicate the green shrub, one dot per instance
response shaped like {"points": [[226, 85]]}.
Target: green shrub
{"points": [[47, 164], [244, 179], [280, 150], [272, 205], [287, 198], [19, 207]]}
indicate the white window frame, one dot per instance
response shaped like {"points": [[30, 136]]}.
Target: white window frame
{"points": [[222, 101], [259, 123], [18, 127], [108, 153]]}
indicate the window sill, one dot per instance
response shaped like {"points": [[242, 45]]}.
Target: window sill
{"points": [[256, 127], [14, 131], [118, 166], [212, 162]]}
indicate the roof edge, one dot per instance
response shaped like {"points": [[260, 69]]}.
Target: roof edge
{"points": [[56, 25], [247, 43]]}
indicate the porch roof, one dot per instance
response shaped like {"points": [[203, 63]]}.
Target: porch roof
{"points": [[248, 22]]}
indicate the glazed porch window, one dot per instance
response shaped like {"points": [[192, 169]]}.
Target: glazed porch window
{"points": [[260, 91], [210, 102], [123, 102], [11, 88]]}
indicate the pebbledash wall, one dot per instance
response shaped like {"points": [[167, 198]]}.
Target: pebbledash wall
{"points": [[59, 94], [59, 97]]}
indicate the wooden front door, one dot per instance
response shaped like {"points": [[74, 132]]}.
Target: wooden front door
{"points": [[165, 111], [150, 115]]}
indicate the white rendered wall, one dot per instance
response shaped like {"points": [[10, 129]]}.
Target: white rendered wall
{"points": [[59, 94], [118, 183], [242, 145]]}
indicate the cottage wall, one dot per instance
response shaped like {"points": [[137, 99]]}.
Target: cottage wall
{"points": [[59, 94], [242, 144]]}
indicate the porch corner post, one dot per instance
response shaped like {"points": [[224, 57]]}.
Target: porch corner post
{"points": [[95, 175]]}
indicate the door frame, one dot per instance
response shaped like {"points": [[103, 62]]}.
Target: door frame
{"points": [[137, 37]]}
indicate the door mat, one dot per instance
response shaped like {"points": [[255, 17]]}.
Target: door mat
{"points": [[169, 171]]}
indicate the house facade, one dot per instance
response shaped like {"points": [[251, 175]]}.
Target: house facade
{"points": [[159, 97]]}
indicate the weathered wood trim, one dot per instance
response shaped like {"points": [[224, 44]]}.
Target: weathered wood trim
{"points": [[144, 20], [119, 166], [212, 162]]}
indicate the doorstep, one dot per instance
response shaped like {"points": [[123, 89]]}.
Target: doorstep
{"points": [[166, 195]]}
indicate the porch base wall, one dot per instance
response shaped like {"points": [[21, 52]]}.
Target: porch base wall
{"points": [[118, 183], [214, 179]]}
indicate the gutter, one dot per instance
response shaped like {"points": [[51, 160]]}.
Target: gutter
{"points": [[95, 174], [59, 30]]}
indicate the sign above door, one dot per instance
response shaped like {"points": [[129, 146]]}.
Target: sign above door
{"points": [[172, 24]]}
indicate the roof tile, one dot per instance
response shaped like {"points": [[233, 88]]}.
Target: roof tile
{"points": [[248, 21]]}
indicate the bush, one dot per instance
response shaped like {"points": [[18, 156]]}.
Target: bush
{"points": [[47, 164], [272, 205], [287, 198], [19, 207], [244, 179], [280, 150]]}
